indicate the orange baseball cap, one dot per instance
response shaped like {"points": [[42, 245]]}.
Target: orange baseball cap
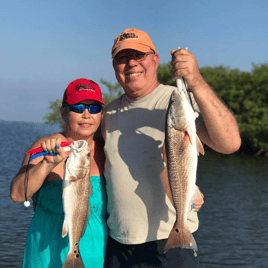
{"points": [[132, 39]]}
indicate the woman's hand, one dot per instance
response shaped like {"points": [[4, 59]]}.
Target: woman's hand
{"points": [[198, 200], [52, 146]]}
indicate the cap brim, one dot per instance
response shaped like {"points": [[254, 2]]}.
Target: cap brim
{"points": [[131, 45], [77, 100]]}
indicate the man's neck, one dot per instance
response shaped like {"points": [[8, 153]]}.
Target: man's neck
{"points": [[138, 94]]}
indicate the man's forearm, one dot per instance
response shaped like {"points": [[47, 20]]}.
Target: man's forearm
{"points": [[219, 130]]}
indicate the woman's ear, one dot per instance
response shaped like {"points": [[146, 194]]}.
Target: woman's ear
{"points": [[63, 112]]}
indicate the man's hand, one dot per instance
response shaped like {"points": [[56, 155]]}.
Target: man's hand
{"points": [[184, 64]]}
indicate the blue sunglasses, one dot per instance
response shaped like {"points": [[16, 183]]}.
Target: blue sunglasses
{"points": [[80, 108]]}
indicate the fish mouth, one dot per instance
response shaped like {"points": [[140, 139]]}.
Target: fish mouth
{"points": [[79, 146]]}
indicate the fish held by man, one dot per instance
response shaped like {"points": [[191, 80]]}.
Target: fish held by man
{"points": [[180, 151], [76, 193]]}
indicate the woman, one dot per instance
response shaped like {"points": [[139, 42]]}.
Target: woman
{"points": [[82, 111]]}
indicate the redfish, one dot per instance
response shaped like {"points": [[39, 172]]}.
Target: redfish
{"points": [[180, 151], [77, 190]]}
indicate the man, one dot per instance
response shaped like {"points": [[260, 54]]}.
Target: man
{"points": [[140, 216]]}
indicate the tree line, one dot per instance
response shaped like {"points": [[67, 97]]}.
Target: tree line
{"points": [[245, 93]]}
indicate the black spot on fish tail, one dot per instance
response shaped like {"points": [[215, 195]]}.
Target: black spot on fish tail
{"points": [[177, 230], [73, 260]]}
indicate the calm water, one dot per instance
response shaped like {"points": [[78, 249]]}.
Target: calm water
{"points": [[233, 228]]}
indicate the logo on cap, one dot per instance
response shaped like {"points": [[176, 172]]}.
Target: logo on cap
{"points": [[85, 87], [125, 36]]}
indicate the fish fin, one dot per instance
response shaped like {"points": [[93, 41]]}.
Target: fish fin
{"points": [[73, 260], [164, 153], [179, 237], [199, 146], [188, 135], [64, 228], [73, 178]]}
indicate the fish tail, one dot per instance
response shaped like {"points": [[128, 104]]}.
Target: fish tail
{"points": [[73, 260], [179, 237]]}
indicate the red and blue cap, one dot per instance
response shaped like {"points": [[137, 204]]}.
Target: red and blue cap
{"points": [[82, 89]]}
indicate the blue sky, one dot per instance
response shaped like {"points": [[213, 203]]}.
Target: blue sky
{"points": [[44, 45]]}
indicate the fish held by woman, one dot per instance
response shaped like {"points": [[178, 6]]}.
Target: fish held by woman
{"points": [[180, 151], [76, 193]]}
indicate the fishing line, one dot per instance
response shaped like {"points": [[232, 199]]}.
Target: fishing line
{"points": [[188, 92], [26, 202], [186, 87]]}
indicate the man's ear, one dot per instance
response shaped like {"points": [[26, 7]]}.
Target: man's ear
{"points": [[156, 59]]}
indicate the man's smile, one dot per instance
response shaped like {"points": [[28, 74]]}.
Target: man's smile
{"points": [[133, 74]]}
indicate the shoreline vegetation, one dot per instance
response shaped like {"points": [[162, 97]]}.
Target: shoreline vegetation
{"points": [[245, 93], [245, 151]]}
